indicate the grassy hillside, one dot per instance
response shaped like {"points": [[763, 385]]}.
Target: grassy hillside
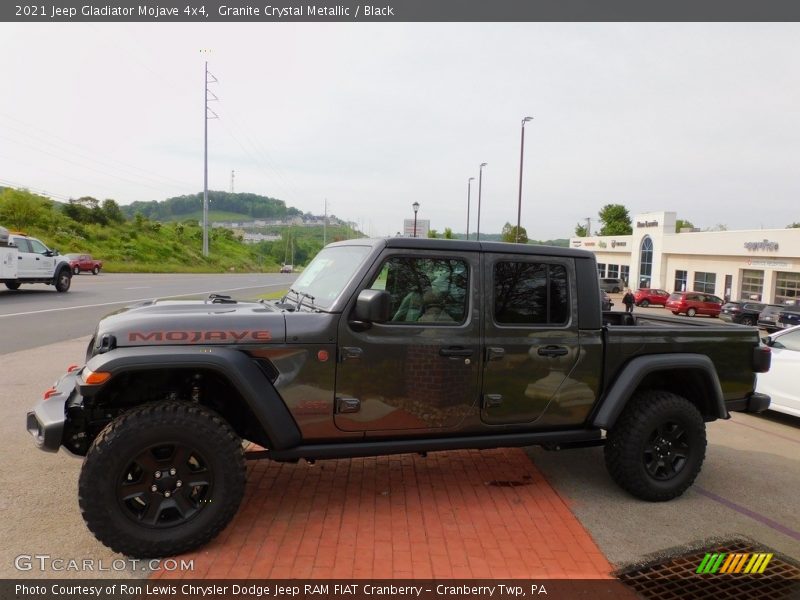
{"points": [[135, 245], [242, 207]]}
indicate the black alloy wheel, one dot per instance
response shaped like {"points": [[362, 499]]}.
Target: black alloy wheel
{"points": [[165, 485], [666, 451]]}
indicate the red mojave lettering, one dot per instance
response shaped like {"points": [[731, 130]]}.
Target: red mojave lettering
{"points": [[194, 337]]}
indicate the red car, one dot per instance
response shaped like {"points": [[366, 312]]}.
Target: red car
{"points": [[644, 297], [84, 262], [694, 303]]}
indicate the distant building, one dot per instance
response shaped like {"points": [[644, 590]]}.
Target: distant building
{"points": [[423, 227], [254, 238], [755, 264]]}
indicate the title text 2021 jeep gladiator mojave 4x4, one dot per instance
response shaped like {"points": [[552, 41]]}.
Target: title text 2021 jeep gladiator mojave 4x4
{"points": [[384, 346]]}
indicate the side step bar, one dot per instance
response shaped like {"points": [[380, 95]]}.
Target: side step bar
{"points": [[349, 449]]}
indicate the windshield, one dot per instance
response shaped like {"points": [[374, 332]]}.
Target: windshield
{"points": [[327, 275]]}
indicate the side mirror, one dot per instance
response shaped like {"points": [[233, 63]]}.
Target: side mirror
{"points": [[373, 306], [50, 253], [768, 341]]}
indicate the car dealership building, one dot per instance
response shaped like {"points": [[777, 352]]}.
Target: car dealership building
{"points": [[761, 264]]}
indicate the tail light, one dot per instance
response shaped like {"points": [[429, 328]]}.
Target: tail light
{"points": [[762, 359]]}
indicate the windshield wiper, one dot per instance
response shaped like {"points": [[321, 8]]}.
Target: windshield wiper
{"points": [[300, 297]]}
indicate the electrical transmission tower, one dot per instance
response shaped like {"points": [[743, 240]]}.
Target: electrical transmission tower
{"points": [[209, 96]]}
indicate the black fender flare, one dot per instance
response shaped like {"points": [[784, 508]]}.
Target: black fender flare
{"points": [[237, 367], [634, 372]]}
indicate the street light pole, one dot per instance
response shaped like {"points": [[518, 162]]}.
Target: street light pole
{"points": [[480, 186], [521, 155], [415, 206], [469, 190]]}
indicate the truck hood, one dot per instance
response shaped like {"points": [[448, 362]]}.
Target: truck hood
{"points": [[168, 322]]}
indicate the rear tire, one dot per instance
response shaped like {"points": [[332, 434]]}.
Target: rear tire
{"points": [[162, 479], [12, 285], [95, 271], [656, 448], [691, 312]]}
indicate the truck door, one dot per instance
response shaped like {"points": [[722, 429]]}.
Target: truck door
{"points": [[27, 265], [44, 264], [530, 335], [419, 370]]}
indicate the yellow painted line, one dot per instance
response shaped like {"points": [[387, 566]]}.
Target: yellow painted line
{"points": [[765, 563], [750, 564]]}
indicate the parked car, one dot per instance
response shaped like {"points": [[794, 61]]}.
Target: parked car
{"points": [[744, 313], [287, 269], [613, 285], [789, 317], [768, 318], [605, 301], [781, 381], [694, 303], [644, 297], [84, 262]]}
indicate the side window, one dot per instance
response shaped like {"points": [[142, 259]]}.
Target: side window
{"points": [[425, 290], [531, 293], [37, 247], [790, 341], [23, 245]]}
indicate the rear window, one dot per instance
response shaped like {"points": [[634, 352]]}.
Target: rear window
{"points": [[732, 305]]}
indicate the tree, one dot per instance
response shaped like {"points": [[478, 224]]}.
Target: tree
{"points": [[681, 224], [112, 211], [581, 230], [509, 234], [448, 233], [615, 220], [432, 233], [793, 226]]}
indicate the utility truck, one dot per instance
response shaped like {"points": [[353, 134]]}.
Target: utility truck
{"points": [[24, 259]]}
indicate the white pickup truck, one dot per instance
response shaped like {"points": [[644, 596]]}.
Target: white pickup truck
{"points": [[24, 259]]}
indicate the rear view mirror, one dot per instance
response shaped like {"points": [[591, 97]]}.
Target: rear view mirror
{"points": [[373, 306]]}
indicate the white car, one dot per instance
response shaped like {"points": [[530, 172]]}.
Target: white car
{"points": [[780, 383]]}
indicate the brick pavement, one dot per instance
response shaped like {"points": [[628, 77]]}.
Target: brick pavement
{"points": [[459, 514]]}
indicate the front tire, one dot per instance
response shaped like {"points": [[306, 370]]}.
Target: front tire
{"points": [[748, 321], [76, 270], [691, 312], [12, 285], [162, 479], [95, 271], [656, 448], [63, 280]]}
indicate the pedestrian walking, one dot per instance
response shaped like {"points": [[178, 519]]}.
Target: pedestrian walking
{"points": [[628, 300]]}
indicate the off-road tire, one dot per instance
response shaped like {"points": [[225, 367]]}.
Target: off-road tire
{"points": [[107, 462], [644, 303], [96, 270], [691, 312], [627, 442], [63, 279], [12, 285], [76, 271]]}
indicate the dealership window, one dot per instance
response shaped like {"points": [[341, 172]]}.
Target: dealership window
{"points": [[601, 269], [530, 293], [787, 287], [680, 281], [624, 273], [646, 262], [705, 282], [613, 271], [752, 284]]}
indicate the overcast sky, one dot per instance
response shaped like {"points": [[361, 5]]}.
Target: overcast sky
{"points": [[701, 119]]}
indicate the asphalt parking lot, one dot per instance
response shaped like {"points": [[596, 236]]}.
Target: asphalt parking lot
{"points": [[748, 487]]}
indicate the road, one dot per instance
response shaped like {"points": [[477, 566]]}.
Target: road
{"points": [[36, 315]]}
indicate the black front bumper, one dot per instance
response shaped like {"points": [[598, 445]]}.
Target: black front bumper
{"points": [[46, 421], [754, 403]]}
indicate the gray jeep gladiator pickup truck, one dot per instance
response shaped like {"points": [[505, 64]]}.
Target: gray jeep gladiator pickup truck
{"points": [[384, 346]]}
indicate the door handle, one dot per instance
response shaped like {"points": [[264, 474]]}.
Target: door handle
{"points": [[37, 258], [455, 352], [351, 353], [552, 351], [494, 353], [490, 400]]}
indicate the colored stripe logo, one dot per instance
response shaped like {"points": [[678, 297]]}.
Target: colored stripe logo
{"points": [[734, 563]]}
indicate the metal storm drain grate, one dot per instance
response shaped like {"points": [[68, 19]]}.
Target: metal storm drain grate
{"points": [[725, 571]]}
